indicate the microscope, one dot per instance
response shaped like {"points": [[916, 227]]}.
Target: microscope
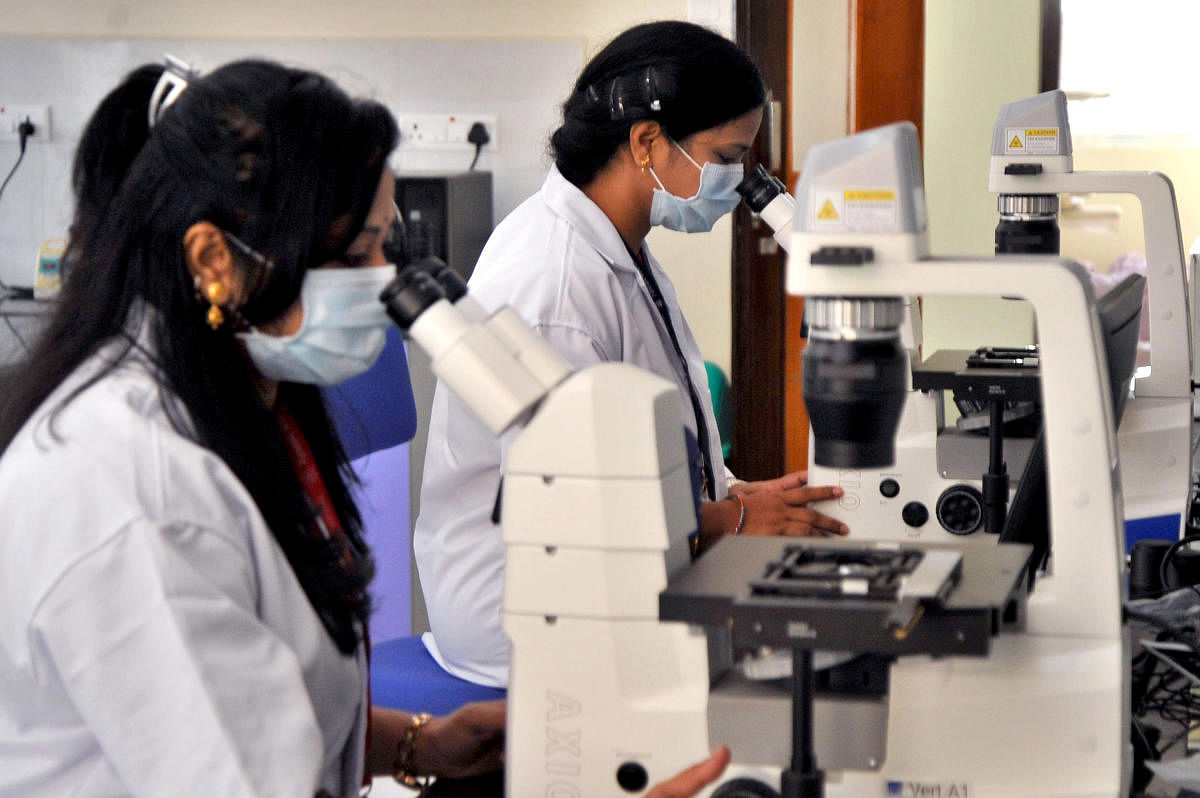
{"points": [[950, 481], [1053, 683], [986, 690], [1031, 164], [596, 509]]}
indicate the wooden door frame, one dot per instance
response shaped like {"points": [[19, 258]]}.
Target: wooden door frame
{"points": [[762, 29], [1051, 45], [887, 50]]}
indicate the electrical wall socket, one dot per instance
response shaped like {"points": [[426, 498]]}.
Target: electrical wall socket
{"points": [[445, 131], [11, 117]]}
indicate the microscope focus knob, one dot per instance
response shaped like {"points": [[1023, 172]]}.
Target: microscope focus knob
{"points": [[632, 777], [915, 514], [960, 509]]}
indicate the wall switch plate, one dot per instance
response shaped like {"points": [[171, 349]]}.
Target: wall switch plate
{"points": [[445, 131], [11, 117]]}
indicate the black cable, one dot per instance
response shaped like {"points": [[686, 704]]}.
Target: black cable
{"points": [[1171, 694], [1183, 634], [12, 328], [24, 130], [12, 172], [1173, 741], [478, 135], [1170, 555], [1171, 685], [1149, 745]]}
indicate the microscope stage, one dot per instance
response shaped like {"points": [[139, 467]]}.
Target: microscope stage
{"points": [[871, 573], [866, 597]]}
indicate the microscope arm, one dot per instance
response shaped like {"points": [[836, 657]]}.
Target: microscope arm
{"points": [[1167, 279]]}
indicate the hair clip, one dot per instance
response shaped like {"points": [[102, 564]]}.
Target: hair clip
{"points": [[635, 101], [174, 79], [651, 88], [616, 102]]}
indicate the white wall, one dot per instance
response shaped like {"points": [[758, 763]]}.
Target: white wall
{"points": [[820, 74], [699, 265], [979, 55], [348, 19], [1141, 118]]}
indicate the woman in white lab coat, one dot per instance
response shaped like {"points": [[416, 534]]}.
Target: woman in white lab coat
{"points": [[654, 133], [183, 583]]}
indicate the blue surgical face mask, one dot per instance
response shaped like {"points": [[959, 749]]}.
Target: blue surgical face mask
{"points": [[716, 196], [342, 333]]}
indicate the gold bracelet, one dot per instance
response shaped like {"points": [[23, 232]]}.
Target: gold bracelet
{"points": [[405, 749]]}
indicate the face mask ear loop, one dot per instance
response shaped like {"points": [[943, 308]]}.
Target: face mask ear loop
{"points": [[685, 155], [650, 169], [645, 166]]}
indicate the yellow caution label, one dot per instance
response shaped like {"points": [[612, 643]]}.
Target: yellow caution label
{"points": [[828, 212], [1027, 141], [871, 195]]}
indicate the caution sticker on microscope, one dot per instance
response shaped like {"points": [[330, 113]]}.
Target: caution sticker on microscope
{"points": [[1031, 141], [855, 209]]}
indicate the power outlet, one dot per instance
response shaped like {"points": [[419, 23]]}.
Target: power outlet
{"points": [[445, 131], [11, 117]]}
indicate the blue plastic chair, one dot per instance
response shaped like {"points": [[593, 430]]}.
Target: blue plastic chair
{"points": [[373, 413], [405, 676]]}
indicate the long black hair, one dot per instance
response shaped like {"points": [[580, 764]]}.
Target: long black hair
{"points": [[289, 164], [683, 76]]}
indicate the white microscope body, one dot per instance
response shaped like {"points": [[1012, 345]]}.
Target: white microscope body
{"points": [[605, 699], [1032, 155], [597, 507], [880, 499], [1046, 714]]}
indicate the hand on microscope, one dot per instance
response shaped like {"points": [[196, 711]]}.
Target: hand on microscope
{"points": [[771, 507], [691, 781]]}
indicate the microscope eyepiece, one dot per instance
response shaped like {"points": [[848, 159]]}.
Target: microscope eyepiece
{"points": [[450, 281], [409, 295], [759, 187]]}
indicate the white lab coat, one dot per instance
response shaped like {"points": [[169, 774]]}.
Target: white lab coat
{"points": [[561, 264], [154, 640]]}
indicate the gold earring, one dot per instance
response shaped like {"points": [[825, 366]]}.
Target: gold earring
{"points": [[217, 295], [644, 163]]}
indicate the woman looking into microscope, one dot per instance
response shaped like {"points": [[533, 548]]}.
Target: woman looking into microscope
{"points": [[653, 134]]}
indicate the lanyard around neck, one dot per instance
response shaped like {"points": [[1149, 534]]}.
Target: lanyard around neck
{"points": [[639, 260]]}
